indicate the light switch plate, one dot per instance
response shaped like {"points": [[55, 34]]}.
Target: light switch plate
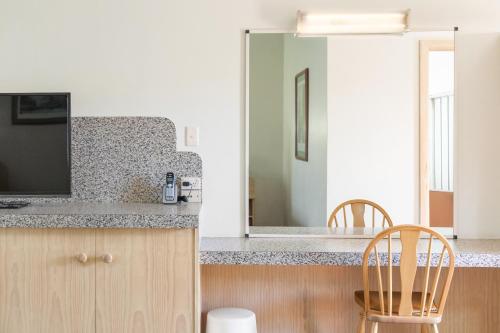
{"points": [[192, 136]]}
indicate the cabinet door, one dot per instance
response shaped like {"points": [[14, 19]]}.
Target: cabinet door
{"points": [[147, 284], [43, 285]]}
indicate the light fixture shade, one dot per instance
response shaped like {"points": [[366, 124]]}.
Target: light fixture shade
{"points": [[375, 23]]}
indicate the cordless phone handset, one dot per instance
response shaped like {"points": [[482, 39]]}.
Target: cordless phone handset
{"points": [[170, 189]]}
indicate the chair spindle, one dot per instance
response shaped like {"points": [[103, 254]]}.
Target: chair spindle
{"points": [[345, 218], [373, 216], [379, 280], [435, 282], [426, 279], [389, 257]]}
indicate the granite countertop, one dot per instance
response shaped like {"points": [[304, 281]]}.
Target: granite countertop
{"points": [[339, 252], [80, 214]]}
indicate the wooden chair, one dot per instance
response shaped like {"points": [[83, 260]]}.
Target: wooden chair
{"points": [[358, 213], [406, 306]]}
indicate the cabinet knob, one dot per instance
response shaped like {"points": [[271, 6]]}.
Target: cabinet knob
{"points": [[82, 257], [107, 258]]}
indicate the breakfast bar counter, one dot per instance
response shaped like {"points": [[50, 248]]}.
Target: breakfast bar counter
{"points": [[307, 284], [334, 252]]}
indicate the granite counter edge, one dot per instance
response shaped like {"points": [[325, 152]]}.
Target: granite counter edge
{"points": [[283, 258], [99, 221]]}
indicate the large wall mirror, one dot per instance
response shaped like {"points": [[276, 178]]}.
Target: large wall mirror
{"points": [[335, 118]]}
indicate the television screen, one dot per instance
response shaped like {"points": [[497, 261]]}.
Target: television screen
{"points": [[35, 144]]}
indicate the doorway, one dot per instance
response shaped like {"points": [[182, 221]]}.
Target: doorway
{"points": [[436, 132]]}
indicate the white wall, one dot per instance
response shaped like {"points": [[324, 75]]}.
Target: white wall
{"points": [[266, 128], [305, 181], [184, 60], [373, 123], [477, 168]]}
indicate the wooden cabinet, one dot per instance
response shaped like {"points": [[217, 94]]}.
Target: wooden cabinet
{"points": [[148, 285], [105, 280], [43, 287]]}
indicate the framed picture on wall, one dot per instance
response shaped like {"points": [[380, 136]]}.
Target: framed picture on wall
{"points": [[302, 115]]}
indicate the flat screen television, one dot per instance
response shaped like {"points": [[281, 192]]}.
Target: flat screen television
{"points": [[35, 134]]}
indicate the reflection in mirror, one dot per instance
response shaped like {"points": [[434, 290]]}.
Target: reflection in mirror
{"points": [[436, 131], [337, 118], [290, 189], [358, 209]]}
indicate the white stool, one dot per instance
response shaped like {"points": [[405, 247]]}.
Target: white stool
{"points": [[231, 320]]}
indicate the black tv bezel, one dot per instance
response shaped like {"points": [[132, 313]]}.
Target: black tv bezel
{"points": [[44, 194]]}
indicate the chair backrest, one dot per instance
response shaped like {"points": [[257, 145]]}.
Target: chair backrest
{"points": [[358, 209], [410, 235]]}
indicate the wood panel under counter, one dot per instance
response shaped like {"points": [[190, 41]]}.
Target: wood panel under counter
{"points": [[307, 285], [95, 267]]}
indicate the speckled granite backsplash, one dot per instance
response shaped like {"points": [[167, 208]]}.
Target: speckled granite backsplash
{"points": [[125, 159]]}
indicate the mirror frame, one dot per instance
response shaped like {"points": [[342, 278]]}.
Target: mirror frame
{"points": [[342, 233]]}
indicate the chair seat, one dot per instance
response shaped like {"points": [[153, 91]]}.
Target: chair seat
{"points": [[359, 297]]}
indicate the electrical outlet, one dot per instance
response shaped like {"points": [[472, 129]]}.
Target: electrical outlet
{"points": [[194, 183], [192, 195]]}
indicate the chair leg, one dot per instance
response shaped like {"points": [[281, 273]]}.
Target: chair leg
{"points": [[435, 328], [374, 327], [425, 328], [362, 322]]}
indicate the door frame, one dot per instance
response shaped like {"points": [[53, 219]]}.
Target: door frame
{"points": [[425, 47]]}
